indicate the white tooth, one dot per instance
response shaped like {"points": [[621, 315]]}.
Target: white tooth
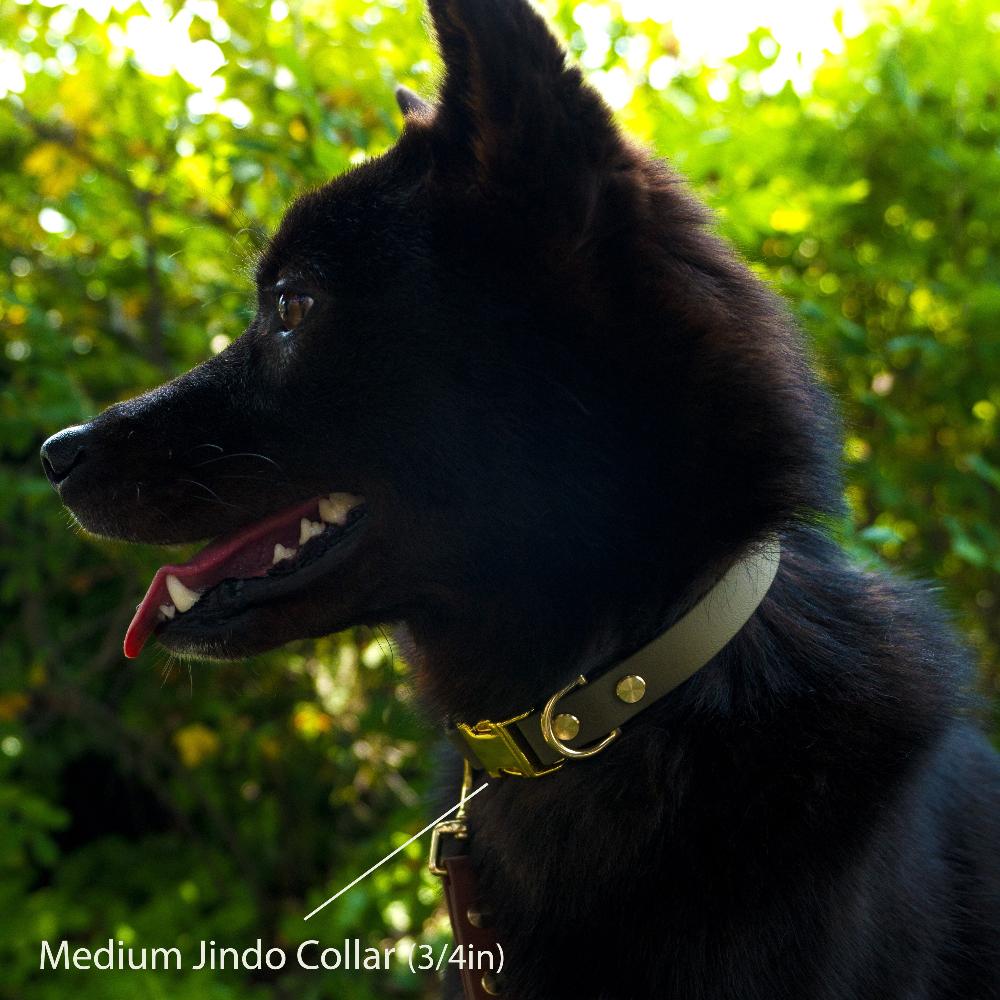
{"points": [[280, 552], [335, 508], [167, 610], [183, 597], [309, 529]]}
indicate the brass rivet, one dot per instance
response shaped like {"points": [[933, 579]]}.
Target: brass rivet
{"points": [[631, 689], [479, 916], [491, 984], [565, 726]]}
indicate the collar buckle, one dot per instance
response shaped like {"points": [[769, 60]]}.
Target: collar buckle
{"points": [[499, 747], [499, 751]]}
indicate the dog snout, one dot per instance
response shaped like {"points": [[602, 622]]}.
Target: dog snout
{"points": [[64, 452]]}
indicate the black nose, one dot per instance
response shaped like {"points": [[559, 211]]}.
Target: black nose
{"points": [[63, 452]]}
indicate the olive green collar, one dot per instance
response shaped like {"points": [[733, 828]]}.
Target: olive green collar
{"points": [[586, 716]]}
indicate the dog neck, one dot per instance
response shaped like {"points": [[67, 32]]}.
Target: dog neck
{"points": [[584, 717], [651, 660]]}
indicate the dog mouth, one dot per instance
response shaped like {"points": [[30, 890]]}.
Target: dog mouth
{"points": [[260, 561]]}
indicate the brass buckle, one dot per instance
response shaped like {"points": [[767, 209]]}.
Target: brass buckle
{"points": [[496, 747], [499, 751], [557, 744]]}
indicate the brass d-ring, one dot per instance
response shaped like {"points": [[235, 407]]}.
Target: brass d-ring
{"points": [[557, 744]]}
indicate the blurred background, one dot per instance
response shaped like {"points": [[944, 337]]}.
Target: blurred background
{"points": [[850, 150]]}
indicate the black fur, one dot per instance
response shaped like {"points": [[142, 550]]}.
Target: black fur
{"points": [[569, 408]]}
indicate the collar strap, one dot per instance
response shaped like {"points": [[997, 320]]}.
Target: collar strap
{"points": [[586, 716]]}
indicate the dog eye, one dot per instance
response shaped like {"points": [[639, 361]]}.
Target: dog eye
{"points": [[292, 310]]}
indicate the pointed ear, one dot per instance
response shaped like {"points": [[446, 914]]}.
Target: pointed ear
{"points": [[511, 110], [413, 105]]}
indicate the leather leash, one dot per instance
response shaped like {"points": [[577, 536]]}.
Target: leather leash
{"points": [[471, 920], [471, 926]]}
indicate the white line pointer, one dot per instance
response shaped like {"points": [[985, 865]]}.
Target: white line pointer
{"points": [[458, 805]]}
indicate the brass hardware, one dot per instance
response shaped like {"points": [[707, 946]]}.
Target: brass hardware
{"points": [[448, 828], [566, 726], [555, 742], [491, 984], [479, 916], [498, 750], [631, 689], [456, 827], [466, 788]]}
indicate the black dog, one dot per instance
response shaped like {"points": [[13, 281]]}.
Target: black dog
{"points": [[552, 410]]}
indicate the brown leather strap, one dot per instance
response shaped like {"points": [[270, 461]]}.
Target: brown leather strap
{"points": [[471, 924]]}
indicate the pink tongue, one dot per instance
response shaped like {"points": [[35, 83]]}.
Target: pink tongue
{"points": [[245, 553]]}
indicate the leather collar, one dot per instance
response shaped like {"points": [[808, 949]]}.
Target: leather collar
{"points": [[586, 716]]}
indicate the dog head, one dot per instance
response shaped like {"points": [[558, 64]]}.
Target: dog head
{"points": [[501, 385]]}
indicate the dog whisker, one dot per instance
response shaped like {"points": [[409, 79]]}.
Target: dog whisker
{"points": [[167, 670], [220, 502], [240, 454], [214, 496]]}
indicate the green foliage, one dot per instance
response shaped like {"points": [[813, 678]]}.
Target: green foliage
{"points": [[160, 805]]}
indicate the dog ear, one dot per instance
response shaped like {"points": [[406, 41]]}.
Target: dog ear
{"points": [[413, 105], [511, 110]]}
